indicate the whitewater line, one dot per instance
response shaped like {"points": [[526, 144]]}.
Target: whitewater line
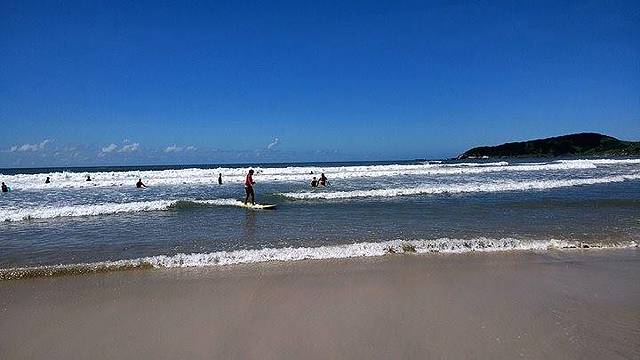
{"points": [[50, 212], [475, 187], [202, 177], [363, 249]]}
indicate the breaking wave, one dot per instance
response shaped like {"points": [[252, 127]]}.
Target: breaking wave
{"points": [[197, 176], [472, 187], [50, 212], [364, 249]]}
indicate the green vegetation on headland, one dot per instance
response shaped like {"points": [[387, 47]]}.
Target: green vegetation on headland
{"points": [[583, 144]]}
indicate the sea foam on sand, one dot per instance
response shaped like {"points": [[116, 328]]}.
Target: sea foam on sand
{"points": [[362, 249]]}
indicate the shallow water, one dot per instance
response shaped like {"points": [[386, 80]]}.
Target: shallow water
{"points": [[451, 206]]}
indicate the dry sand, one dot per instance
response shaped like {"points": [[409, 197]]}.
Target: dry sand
{"points": [[569, 305]]}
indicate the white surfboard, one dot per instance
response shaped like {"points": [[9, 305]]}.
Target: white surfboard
{"points": [[259, 206]]}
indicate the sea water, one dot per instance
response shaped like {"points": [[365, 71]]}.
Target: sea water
{"points": [[184, 218]]}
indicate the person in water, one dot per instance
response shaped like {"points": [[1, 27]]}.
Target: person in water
{"points": [[88, 178], [5, 188], [323, 180], [248, 188], [220, 179], [314, 182], [139, 184], [47, 181]]}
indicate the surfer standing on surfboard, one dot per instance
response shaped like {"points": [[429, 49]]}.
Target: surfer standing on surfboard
{"points": [[248, 188]]}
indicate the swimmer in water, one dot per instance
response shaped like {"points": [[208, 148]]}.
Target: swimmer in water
{"points": [[323, 180], [139, 184]]}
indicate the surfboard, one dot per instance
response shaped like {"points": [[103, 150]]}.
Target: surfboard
{"points": [[259, 206]]}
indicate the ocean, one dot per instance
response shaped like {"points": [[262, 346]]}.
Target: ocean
{"points": [[184, 218]]}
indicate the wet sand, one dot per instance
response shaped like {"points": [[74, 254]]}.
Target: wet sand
{"points": [[569, 304]]}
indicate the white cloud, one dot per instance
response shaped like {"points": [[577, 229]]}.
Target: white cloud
{"points": [[173, 148], [30, 147], [275, 142], [129, 148], [126, 148], [109, 149]]}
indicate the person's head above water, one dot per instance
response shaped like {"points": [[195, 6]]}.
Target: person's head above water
{"points": [[251, 171]]}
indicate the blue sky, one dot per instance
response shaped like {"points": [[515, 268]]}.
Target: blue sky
{"points": [[99, 83]]}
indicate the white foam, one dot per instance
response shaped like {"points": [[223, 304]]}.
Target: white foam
{"points": [[49, 212], [473, 164], [195, 176], [472, 187], [363, 249], [602, 161]]}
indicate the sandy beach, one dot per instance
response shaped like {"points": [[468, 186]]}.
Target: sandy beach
{"points": [[569, 304]]}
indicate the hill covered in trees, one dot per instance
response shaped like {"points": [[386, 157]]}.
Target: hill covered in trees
{"points": [[582, 144]]}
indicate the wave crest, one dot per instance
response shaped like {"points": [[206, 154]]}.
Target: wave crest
{"points": [[50, 212], [201, 177], [364, 249], [475, 187]]}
